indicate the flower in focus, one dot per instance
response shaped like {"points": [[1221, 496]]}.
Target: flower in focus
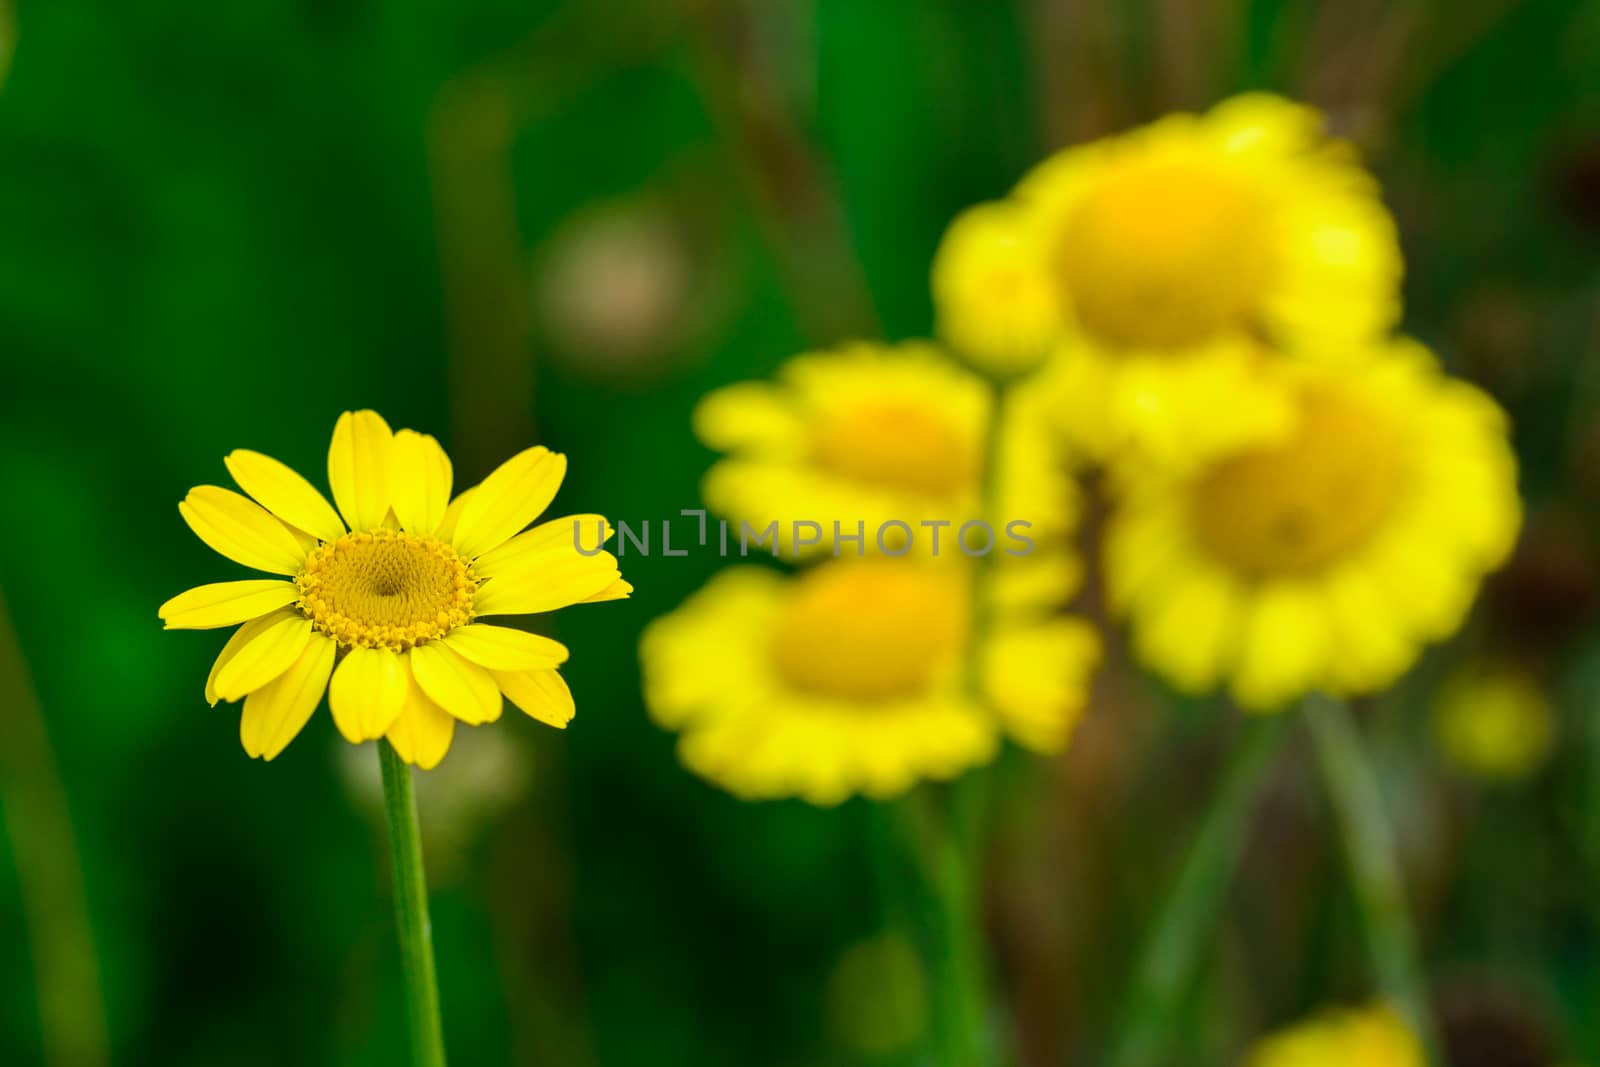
{"points": [[873, 434], [1494, 723], [380, 600], [1372, 1036], [851, 678], [1327, 556], [1166, 249]]}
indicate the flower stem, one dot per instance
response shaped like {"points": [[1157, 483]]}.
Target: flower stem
{"points": [[939, 823], [961, 892], [1369, 846], [1187, 921], [952, 836], [411, 910]]}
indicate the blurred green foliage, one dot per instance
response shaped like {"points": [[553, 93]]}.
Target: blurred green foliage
{"points": [[226, 223]]}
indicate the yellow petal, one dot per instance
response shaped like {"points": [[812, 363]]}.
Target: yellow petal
{"points": [[617, 590], [420, 476], [276, 712], [542, 694], [242, 530], [281, 490], [206, 607], [463, 689], [358, 468], [1189, 632], [500, 648], [275, 642], [446, 530], [1036, 677], [1283, 648], [239, 638], [569, 582], [749, 416], [509, 499], [366, 693], [560, 538], [422, 733]]}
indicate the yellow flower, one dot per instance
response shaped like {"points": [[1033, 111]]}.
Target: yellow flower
{"points": [[868, 436], [381, 607], [992, 260], [1494, 723], [1168, 247], [851, 678], [1325, 557], [1372, 1036]]}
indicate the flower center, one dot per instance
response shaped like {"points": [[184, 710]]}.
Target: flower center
{"points": [[1164, 255], [872, 630], [384, 589], [895, 445], [1304, 503]]}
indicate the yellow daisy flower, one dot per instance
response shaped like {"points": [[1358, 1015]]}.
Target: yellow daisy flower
{"points": [[880, 438], [1323, 558], [380, 601], [997, 302], [851, 678], [1371, 1036], [1494, 723], [1165, 248]]}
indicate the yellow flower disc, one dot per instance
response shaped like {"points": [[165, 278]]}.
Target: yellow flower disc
{"points": [[875, 630], [1301, 504], [896, 445], [1165, 254], [386, 589]]}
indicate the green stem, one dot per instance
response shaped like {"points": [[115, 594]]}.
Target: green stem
{"points": [[1369, 847], [1188, 920], [962, 882], [938, 823], [411, 910], [952, 833]]}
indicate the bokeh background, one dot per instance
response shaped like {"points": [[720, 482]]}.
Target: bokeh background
{"points": [[514, 220]]}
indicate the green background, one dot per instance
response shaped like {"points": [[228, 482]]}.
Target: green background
{"points": [[501, 222]]}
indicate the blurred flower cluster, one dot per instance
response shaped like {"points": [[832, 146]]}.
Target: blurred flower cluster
{"points": [[1199, 311], [1185, 330]]}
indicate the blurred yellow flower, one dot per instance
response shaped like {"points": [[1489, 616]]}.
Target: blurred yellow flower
{"points": [[1162, 252], [851, 678], [1494, 723], [1371, 1036], [996, 300], [1326, 556], [868, 435], [380, 601]]}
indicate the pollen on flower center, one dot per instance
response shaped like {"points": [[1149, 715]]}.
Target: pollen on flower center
{"points": [[895, 445], [1164, 255], [872, 630], [1306, 502], [385, 589]]}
